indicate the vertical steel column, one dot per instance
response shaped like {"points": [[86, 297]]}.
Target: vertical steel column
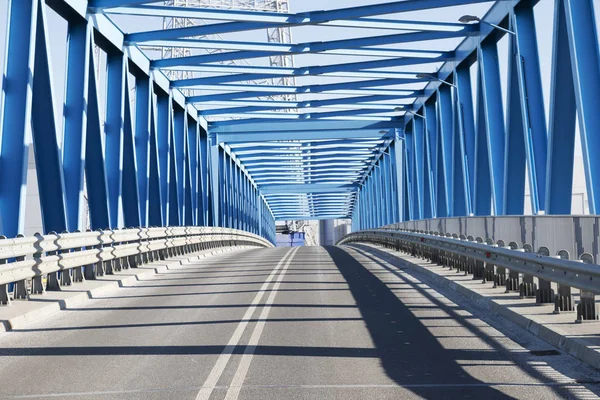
{"points": [[95, 172], [16, 113], [113, 130], [419, 165], [398, 167], [224, 211], [563, 114], [205, 174], [585, 64], [155, 215], [445, 177], [174, 216], [75, 118], [143, 105], [431, 147], [514, 157], [163, 139], [460, 194], [129, 189], [179, 134], [410, 171], [188, 198], [466, 120], [482, 189], [214, 157], [494, 119], [194, 169], [532, 103], [47, 154]]}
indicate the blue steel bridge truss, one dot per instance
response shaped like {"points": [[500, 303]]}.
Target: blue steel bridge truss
{"points": [[386, 126]]}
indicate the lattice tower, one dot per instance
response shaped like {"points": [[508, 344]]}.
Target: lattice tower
{"points": [[276, 35]]}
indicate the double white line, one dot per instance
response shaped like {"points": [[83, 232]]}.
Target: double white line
{"points": [[240, 374]]}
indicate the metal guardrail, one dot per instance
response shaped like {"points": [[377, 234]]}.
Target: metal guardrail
{"points": [[491, 262], [62, 259]]}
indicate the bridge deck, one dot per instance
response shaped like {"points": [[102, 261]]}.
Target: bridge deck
{"points": [[306, 323]]}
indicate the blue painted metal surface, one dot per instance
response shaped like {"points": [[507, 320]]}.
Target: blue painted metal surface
{"points": [[394, 134]]}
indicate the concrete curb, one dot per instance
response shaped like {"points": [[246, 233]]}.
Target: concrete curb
{"points": [[36, 309], [550, 334]]}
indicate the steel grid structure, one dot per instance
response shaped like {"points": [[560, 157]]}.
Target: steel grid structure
{"points": [[384, 127]]}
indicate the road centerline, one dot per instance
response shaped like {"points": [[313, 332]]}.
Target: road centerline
{"points": [[217, 370], [242, 370]]}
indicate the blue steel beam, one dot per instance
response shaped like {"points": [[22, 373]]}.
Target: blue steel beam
{"points": [[75, 121], [265, 16], [482, 189], [375, 108], [346, 116], [378, 78], [256, 72], [267, 90], [95, 168], [585, 65], [307, 188], [163, 135], [445, 150], [129, 190], [492, 102], [514, 157], [301, 104], [431, 146], [532, 104], [495, 15], [16, 112], [268, 49], [563, 114], [466, 122], [318, 47], [312, 18], [143, 105], [155, 195], [46, 151], [323, 127]]}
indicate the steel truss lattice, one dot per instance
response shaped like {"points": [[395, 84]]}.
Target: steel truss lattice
{"points": [[384, 126]]}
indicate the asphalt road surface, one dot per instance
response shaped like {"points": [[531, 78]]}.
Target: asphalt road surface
{"points": [[304, 323]]}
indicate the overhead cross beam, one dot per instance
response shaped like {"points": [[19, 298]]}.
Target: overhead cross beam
{"points": [[256, 51], [310, 18]]}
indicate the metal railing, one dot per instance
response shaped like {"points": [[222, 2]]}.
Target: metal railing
{"points": [[501, 265], [62, 259]]}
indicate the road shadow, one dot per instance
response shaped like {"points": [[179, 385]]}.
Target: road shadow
{"points": [[446, 357]]}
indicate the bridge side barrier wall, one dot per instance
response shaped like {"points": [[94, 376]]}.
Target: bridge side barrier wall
{"points": [[574, 234], [65, 258], [505, 265]]}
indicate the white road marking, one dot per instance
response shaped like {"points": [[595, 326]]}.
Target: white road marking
{"points": [[240, 374], [219, 367]]}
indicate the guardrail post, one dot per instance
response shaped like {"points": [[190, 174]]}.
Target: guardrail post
{"points": [[77, 274], [513, 281], [65, 275], [489, 273], [544, 294], [587, 309], [19, 287], [52, 279], [37, 284], [4, 296], [563, 302], [527, 288]]}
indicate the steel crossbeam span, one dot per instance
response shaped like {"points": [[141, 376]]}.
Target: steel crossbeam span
{"points": [[391, 111]]}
